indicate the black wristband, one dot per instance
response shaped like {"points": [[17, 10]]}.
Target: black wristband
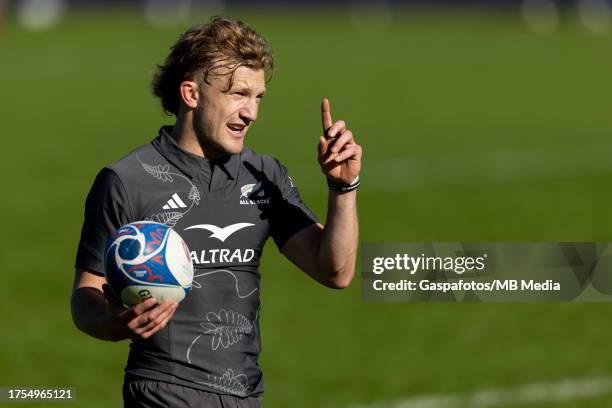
{"points": [[341, 187]]}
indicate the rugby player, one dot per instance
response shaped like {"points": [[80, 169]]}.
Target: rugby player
{"points": [[225, 200]]}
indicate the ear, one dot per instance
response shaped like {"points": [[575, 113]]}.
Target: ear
{"points": [[189, 94]]}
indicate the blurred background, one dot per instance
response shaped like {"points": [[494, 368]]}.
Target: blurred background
{"points": [[480, 121]]}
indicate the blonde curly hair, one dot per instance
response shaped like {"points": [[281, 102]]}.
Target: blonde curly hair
{"points": [[216, 48]]}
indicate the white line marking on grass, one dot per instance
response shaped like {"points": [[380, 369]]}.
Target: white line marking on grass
{"points": [[566, 390]]}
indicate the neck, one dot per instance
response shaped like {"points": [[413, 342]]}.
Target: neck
{"points": [[185, 136]]}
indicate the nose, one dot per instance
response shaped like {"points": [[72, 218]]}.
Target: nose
{"points": [[248, 112]]}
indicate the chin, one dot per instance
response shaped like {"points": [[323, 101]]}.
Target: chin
{"points": [[233, 148]]}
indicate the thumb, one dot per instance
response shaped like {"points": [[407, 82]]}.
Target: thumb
{"points": [[323, 146]]}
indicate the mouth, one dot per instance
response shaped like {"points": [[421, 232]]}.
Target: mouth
{"points": [[237, 129]]}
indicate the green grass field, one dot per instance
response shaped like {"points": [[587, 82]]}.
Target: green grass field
{"points": [[473, 128]]}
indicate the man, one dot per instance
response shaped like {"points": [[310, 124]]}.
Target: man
{"points": [[225, 201]]}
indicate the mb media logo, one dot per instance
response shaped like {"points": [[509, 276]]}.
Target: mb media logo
{"points": [[253, 194]]}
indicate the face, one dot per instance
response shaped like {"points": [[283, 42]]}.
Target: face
{"points": [[222, 118]]}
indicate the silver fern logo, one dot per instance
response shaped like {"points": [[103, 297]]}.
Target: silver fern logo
{"points": [[253, 194], [248, 189]]}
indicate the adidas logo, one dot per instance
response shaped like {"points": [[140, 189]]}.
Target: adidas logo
{"points": [[174, 202]]}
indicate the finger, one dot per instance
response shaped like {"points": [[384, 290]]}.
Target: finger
{"points": [[162, 308], [139, 322], [149, 333], [323, 147], [326, 118], [337, 128], [336, 146], [150, 318], [145, 305], [162, 323], [155, 320], [350, 152], [137, 310], [339, 143], [329, 158], [327, 155]]}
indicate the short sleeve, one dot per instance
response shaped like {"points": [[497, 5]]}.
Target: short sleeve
{"points": [[106, 209], [290, 214]]}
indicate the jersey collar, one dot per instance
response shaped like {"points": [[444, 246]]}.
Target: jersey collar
{"points": [[189, 163]]}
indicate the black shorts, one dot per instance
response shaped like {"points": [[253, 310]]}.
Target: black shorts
{"points": [[141, 393]]}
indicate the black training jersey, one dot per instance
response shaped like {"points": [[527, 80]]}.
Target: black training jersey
{"points": [[225, 213]]}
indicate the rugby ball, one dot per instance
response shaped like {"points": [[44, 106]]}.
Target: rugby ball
{"points": [[147, 259]]}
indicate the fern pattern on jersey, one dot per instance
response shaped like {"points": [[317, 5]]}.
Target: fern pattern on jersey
{"points": [[162, 172], [226, 328], [229, 382]]}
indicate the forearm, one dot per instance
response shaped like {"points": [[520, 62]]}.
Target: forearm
{"points": [[92, 315], [339, 240], [329, 253]]}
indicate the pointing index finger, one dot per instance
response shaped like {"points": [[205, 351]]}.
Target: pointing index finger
{"points": [[326, 118]]}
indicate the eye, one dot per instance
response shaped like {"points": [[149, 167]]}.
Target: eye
{"points": [[239, 93]]}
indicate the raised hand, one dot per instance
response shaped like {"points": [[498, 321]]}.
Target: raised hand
{"points": [[339, 155]]}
